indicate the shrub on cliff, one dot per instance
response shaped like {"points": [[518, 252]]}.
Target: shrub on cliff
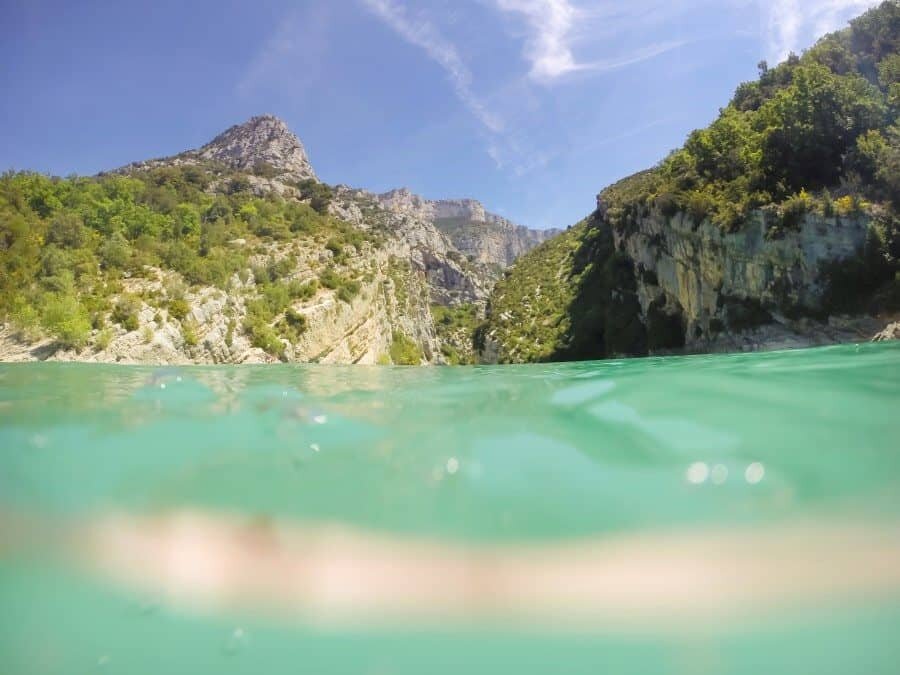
{"points": [[125, 312], [261, 334], [455, 327], [179, 308], [66, 320], [318, 194], [404, 351]]}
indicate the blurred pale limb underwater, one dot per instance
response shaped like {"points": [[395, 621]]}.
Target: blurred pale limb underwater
{"points": [[331, 574]]}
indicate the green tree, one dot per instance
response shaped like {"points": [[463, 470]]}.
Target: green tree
{"points": [[187, 221], [67, 229], [810, 126], [67, 320]]}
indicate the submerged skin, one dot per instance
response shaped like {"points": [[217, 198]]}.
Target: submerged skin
{"points": [[209, 562]]}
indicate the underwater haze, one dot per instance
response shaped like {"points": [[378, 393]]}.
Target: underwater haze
{"points": [[164, 520]]}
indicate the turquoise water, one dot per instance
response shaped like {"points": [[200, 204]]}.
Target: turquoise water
{"points": [[468, 457]]}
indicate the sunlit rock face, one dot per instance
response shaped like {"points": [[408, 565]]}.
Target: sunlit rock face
{"points": [[480, 235], [451, 277], [664, 284], [262, 142], [262, 139], [700, 271], [395, 295]]}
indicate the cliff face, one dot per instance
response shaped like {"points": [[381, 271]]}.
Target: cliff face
{"points": [[706, 277], [483, 237], [451, 277], [667, 284], [393, 296]]}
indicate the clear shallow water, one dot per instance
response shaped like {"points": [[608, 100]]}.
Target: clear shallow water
{"points": [[473, 456]]}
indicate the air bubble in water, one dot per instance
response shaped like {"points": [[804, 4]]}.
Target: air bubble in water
{"points": [[755, 473], [697, 473], [237, 641], [452, 465]]}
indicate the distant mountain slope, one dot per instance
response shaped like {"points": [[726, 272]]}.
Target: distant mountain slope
{"points": [[777, 225], [233, 252], [479, 234]]}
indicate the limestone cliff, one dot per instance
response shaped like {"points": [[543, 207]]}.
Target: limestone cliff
{"points": [[262, 140], [393, 297], [483, 237], [667, 284], [744, 289], [452, 278]]}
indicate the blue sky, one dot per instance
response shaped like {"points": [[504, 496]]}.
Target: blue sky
{"points": [[531, 106]]}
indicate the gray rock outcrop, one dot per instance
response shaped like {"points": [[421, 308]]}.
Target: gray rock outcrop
{"points": [[261, 141], [480, 235], [702, 273]]}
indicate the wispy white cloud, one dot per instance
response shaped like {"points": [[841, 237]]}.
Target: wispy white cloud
{"points": [[552, 25], [792, 24], [784, 21], [509, 131], [418, 30], [290, 57], [548, 47], [555, 28], [638, 55], [517, 155]]}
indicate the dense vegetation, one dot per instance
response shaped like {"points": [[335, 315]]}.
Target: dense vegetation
{"points": [[818, 133], [68, 245], [454, 326], [565, 300], [529, 306]]}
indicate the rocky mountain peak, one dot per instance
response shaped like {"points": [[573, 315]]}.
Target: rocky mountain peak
{"points": [[261, 139]]}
